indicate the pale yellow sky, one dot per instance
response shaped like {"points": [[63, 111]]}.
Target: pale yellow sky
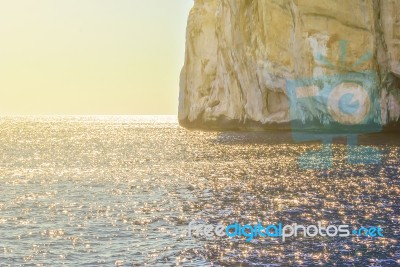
{"points": [[91, 56]]}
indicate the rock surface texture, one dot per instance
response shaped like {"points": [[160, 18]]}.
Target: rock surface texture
{"points": [[241, 54]]}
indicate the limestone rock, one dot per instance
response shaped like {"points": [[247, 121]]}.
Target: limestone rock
{"points": [[240, 56]]}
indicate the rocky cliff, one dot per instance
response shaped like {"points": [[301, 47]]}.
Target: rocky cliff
{"points": [[241, 54]]}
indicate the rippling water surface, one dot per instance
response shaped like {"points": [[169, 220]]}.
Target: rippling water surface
{"points": [[105, 191]]}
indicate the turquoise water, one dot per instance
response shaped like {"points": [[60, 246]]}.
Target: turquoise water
{"points": [[121, 191]]}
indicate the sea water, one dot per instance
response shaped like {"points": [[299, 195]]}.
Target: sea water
{"points": [[121, 191]]}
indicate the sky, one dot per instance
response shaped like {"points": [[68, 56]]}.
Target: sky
{"points": [[104, 57]]}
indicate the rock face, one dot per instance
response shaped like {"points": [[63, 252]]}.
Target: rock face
{"points": [[240, 56]]}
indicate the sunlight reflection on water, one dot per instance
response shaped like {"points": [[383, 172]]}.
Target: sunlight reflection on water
{"points": [[122, 190]]}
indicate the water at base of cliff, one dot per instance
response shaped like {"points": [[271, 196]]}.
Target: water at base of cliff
{"points": [[121, 191]]}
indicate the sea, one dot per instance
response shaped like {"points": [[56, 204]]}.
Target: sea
{"points": [[122, 191]]}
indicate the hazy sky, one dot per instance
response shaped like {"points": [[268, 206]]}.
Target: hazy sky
{"points": [[91, 56]]}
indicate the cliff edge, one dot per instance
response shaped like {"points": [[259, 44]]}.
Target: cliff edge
{"points": [[241, 57]]}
